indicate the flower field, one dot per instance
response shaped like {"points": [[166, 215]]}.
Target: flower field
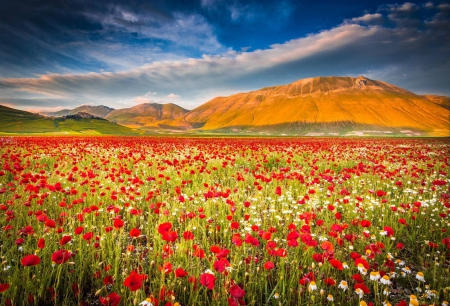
{"points": [[224, 221]]}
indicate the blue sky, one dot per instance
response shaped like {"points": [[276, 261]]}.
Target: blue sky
{"points": [[58, 54]]}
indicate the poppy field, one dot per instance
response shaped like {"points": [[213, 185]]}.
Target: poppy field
{"points": [[224, 221]]}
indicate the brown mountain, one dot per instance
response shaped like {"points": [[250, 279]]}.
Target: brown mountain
{"points": [[97, 110], [439, 100], [323, 106], [146, 115]]}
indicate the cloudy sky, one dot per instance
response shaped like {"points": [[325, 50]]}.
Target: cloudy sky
{"points": [[58, 54]]}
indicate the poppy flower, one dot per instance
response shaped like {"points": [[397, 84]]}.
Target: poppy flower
{"points": [[64, 240], [389, 231], [135, 232], [180, 272], [113, 299], [269, 265], [237, 292], [41, 243], [61, 256], [336, 264], [4, 287], [30, 260], [133, 281], [118, 223], [329, 281], [208, 280]]}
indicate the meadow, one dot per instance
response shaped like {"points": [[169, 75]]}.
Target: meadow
{"points": [[224, 221]]}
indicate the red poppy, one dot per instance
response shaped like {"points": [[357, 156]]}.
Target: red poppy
{"points": [[358, 278], [366, 223], [134, 232], [64, 240], [269, 265], [30, 260], [61, 256], [133, 281], [329, 281], [362, 287], [41, 243], [118, 223], [108, 280], [180, 273], [113, 299], [389, 231], [336, 264], [208, 280], [221, 264], [4, 287], [237, 292], [327, 246]]}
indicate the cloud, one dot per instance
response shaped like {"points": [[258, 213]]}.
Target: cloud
{"points": [[403, 50], [173, 96]]}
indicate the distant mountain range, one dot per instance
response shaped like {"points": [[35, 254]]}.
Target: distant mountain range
{"points": [[322, 106], [13, 121], [99, 111]]}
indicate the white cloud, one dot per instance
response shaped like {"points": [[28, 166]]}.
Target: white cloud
{"points": [[173, 96], [392, 54]]}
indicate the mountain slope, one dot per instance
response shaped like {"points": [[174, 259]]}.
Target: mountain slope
{"points": [[322, 104], [13, 121], [146, 115], [439, 100], [97, 110]]}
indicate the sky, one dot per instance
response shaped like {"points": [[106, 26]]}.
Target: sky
{"points": [[57, 54]]}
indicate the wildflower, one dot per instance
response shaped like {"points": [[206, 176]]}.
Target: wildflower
{"points": [[374, 275], [30, 260], [362, 303], [276, 295], [146, 302], [330, 298], [133, 281], [385, 280], [312, 286], [4, 287], [386, 303], [413, 300], [343, 285], [407, 270], [420, 276], [359, 292], [345, 265], [386, 291]]}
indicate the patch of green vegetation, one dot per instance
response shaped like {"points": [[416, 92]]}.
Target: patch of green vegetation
{"points": [[13, 121]]}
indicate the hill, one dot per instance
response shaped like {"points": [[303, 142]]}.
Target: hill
{"points": [[97, 110], [323, 106], [13, 121], [146, 115], [439, 100]]}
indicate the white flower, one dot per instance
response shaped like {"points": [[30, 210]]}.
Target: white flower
{"points": [[359, 292], [407, 270], [146, 303], [312, 286], [343, 285], [385, 280], [330, 298], [420, 276], [374, 275]]}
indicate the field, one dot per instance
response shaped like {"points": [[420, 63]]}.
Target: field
{"points": [[224, 221]]}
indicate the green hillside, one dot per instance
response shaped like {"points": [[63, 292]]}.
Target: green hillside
{"points": [[13, 121]]}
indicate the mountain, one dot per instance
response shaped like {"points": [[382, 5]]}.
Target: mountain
{"points": [[323, 106], [13, 121], [98, 111], [146, 115], [439, 100]]}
